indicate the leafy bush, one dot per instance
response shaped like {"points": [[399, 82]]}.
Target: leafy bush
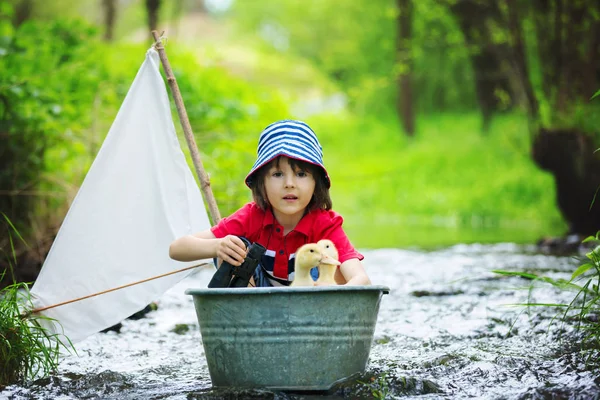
{"points": [[49, 78], [360, 52], [61, 88]]}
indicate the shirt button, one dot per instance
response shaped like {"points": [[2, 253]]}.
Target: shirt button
{"points": [[280, 251]]}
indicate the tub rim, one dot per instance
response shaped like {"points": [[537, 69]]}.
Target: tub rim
{"points": [[285, 289]]}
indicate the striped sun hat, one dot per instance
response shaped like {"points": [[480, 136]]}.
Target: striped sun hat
{"points": [[293, 139]]}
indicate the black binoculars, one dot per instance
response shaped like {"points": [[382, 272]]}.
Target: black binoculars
{"points": [[229, 276]]}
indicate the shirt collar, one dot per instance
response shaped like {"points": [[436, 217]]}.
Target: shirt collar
{"points": [[303, 227], [269, 218]]}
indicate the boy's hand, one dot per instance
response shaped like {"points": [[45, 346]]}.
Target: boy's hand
{"points": [[232, 250]]}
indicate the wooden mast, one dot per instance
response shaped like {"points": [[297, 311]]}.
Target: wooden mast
{"points": [[187, 130]]}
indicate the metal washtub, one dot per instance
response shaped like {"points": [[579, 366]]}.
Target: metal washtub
{"points": [[286, 338]]}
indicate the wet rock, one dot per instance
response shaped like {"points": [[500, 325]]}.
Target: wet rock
{"points": [[381, 385], [138, 315], [91, 386], [562, 246], [427, 293], [115, 328], [383, 340], [142, 313], [111, 382], [181, 329]]}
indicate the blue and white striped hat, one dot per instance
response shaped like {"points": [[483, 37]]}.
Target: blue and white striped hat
{"points": [[293, 139]]}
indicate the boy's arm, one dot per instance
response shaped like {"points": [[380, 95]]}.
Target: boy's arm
{"points": [[352, 272], [206, 245]]}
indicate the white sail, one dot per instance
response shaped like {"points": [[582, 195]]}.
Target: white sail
{"points": [[137, 197]]}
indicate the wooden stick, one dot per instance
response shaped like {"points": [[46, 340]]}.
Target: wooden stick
{"points": [[187, 130], [35, 310]]}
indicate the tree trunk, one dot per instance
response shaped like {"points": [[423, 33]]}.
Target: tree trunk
{"points": [[545, 38], [591, 77], [568, 39], [152, 7], [569, 45], [520, 58], [405, 100], [110, 12], [489, 59], [569, 156], [23, 11], [578, 41]]}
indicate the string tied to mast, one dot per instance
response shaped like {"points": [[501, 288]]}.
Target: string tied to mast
{"points": [[160, 42]]}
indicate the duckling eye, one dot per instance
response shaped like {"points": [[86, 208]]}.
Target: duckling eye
{"points": [[312, 251], [326, 246]]}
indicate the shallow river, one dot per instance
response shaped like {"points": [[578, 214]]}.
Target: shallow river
{"points": [[448, 329]]}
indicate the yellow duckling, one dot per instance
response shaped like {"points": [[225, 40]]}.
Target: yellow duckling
{"points": [[307, 257], [326, 269]]}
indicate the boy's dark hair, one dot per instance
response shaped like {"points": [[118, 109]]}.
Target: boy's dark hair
{"points": [[320, 198]]}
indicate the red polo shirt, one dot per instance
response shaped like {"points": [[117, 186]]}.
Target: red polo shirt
{"points": [[261, 226]]}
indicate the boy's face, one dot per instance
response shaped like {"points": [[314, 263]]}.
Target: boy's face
{"points": [[289, 191]]}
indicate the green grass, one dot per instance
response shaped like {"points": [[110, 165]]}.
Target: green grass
{"points": [[449, 184], [27, 349], [584, 308]]}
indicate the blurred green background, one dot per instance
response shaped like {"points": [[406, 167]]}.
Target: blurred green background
{"points": [[427, 110]]}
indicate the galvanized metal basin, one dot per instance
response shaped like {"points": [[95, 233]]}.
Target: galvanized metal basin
{"points": [[286, 338]]}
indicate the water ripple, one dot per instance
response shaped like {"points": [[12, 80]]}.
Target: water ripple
{"points": [[450, 328]]}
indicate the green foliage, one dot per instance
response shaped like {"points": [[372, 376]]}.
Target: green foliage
{"points": [[585, 306], [61, 89], [378, 386], [447, 185], [49, 77], [27, 349], [356, 46]]}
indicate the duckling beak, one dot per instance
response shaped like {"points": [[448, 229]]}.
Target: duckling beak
{"points": [[328, 260]]}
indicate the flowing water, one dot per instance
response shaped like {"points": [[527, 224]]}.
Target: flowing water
{"points": [[448, 329]]}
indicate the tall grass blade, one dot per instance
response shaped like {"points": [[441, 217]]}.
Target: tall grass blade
{"points": [[27, 349], [583, 308]]}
